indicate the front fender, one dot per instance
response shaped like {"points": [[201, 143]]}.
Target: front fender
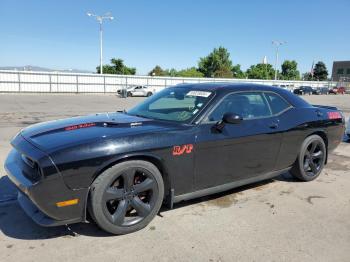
{"points": [[157, 160]]}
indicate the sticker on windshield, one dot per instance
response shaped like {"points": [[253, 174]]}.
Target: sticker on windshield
{"points": [[198, 93]]}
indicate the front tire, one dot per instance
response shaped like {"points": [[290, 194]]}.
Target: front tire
{"points": [[311, 159], [149, 94], [126, 197]]}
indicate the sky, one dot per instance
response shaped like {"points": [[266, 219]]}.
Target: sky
{"points": [[172, 34]]}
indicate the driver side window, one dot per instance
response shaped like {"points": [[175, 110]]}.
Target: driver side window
{"points": [[249, 105]]}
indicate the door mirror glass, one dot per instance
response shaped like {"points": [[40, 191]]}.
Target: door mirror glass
{"points": [[232, 118]]}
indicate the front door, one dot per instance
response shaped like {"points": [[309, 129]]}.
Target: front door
{"points": [[238, 151]]}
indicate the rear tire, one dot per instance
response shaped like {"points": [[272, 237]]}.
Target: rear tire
{"points": [[126, 197], [311, 159]]}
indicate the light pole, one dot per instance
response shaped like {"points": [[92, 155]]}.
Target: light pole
{"points": [[100, 19], [277, 44]]}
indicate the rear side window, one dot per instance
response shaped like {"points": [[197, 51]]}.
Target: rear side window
{"points": [[277, 103]]}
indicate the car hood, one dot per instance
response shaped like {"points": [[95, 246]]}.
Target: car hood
{"points": [[52, 135]]}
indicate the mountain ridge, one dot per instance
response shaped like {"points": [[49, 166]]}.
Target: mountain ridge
{"points": [[42, 69]]}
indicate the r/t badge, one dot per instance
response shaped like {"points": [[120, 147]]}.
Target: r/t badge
{"points": [[184, 149]]}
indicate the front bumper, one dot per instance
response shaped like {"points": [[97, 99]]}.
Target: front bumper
{"points": [[38, 199], [38, 216]]}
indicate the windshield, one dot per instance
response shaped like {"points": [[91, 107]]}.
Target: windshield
{"points": [[179, 104]]}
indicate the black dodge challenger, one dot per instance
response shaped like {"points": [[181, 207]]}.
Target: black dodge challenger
{"points": [[184, 142]]}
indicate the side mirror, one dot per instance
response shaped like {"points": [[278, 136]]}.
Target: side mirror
{"points": [[228, 118], [232, 118]]}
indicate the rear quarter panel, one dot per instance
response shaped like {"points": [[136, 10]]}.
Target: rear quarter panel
{"points": [[299, 123]]}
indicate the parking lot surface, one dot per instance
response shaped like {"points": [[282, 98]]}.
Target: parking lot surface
{"points": [[275, 220]]}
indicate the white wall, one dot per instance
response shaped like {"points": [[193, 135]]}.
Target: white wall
{"points": [[24, 81]]}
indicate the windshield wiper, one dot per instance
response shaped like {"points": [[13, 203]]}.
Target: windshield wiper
{"points": [[142, 116]]}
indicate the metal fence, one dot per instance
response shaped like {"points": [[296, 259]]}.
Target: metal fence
{"points": [[54, 82]]}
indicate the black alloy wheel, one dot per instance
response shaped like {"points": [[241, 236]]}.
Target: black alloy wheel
{"points": [[311, 159], [130, 198], [126, 197]]}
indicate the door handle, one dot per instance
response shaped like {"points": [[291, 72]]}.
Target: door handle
{"points": [[273, 125]]}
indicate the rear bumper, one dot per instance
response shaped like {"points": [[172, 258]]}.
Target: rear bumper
{"points": [[38, 199], [335, 137]]}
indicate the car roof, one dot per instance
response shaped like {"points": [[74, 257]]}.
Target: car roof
{"points": [[224, 87]]}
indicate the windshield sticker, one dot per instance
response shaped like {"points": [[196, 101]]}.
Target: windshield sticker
{"points": [[199, 93]]}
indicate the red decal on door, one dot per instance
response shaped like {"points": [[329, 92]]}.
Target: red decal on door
{"points": [[179, 150]]}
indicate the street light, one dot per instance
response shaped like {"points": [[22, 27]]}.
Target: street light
{"points": [[277, 44], [100, 19]]}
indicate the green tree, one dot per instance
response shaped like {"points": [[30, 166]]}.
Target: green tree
{"points": [[261, 71], [122, 69], [307, 76], [289, 70], [158, 71], [216, 64], [320, 71], [237, 72], [107, 69], [189, 72], [117, 67], [171, 72]]}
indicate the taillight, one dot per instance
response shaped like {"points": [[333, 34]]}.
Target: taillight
{"points": [[334, 115]]}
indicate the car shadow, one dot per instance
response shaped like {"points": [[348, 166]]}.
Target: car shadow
{"points": [[15, 223], [8, 191], [285, 177]]}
